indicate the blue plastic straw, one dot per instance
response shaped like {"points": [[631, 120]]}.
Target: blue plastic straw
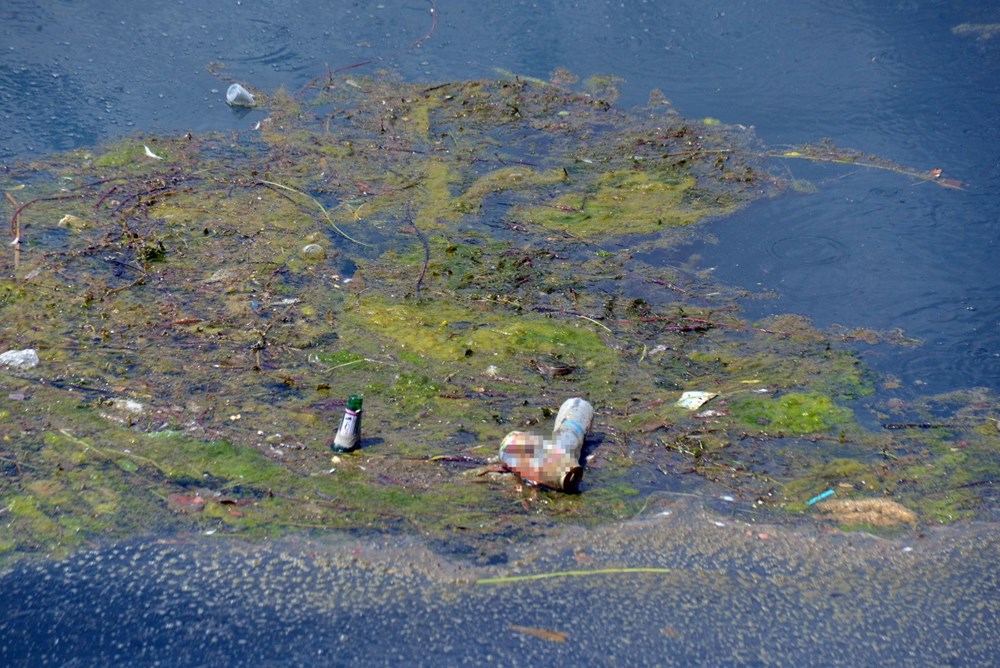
{"points": [[820, 497]]}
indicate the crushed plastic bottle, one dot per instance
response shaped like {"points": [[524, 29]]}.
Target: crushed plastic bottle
{"points": [[552, 462]]}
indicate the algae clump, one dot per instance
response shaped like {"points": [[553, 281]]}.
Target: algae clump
{"points": [[795, 413], [481, 261]]}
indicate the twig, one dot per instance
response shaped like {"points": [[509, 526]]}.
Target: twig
{"points": [[15, 223], [430, 31], [326, 214], [827, 152], [916, 425], [975, 484], [599, 324], [16, 233], [427, 250], [351, 363], [106, 195], [668, 285], [112, 454], [571, 574], [737, 326]]}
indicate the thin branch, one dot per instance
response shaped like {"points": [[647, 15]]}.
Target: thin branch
{"points": [[326, 214]]}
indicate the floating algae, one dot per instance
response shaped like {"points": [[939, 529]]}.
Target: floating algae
{"points": [[425, 246]]}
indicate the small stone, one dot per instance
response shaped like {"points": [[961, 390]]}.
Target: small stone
{"points": [[19, 359]]}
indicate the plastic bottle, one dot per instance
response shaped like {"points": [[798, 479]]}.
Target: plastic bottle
{"points": [[349, 435], [572, 424], [573, 419]]}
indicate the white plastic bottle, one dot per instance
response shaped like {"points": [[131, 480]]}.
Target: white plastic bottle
{"points": [[574, 417]]}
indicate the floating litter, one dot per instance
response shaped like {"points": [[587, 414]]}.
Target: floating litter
{"points": [[695, 400], [238, 96], [553, 463], [819, 497]]}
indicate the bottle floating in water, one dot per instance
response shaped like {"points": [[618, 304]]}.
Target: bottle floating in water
{"points": [[349, 435]]}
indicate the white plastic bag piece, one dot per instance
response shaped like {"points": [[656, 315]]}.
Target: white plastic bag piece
{"points": [[238, 96]]}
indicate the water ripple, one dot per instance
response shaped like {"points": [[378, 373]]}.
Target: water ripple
{"points": [[808, 249], [269, 43]]}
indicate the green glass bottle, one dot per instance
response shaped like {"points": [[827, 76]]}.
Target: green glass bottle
{"points": [[349, 435]]}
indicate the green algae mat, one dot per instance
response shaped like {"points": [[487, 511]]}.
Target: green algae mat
{"points": [[465, 255]]}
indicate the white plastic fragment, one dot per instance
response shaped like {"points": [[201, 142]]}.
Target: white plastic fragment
{"points": [[19, 359], [128, 405], [694, 400], [238, 96]]}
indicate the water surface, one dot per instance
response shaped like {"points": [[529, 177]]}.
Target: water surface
{"points": [[867, 249]]}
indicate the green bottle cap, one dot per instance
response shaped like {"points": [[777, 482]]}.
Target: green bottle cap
{"points": [[354, 402]]}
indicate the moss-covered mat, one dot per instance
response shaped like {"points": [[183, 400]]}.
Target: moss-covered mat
{"points": [[202, 306]]}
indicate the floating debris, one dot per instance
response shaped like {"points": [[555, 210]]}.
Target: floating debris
{"points": [[544, 634], [554, 463], [552, 368], [693, 400], [470, 255], [238, 96], [819, 497]]}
